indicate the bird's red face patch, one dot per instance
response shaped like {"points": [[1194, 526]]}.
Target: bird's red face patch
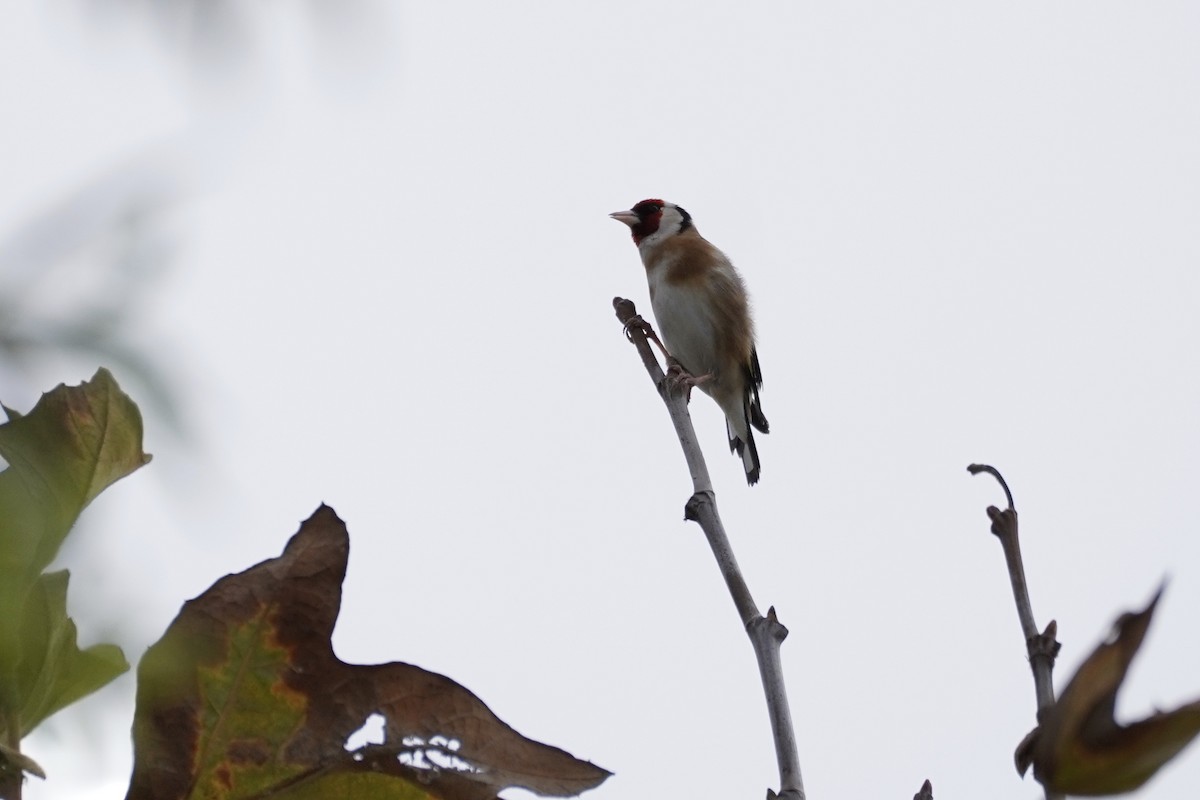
{"points": [[649, 214]]}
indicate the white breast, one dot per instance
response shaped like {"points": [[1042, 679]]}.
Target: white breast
{"points": [[684, 322]]}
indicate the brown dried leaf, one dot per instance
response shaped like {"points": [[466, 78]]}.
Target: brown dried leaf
{"points": [[243, 697], [1080, 749]]}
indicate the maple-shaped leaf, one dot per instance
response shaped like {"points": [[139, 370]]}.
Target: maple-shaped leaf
{"points": [[1079, 748], [243, 697]]}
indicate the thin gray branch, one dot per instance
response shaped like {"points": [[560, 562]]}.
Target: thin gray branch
{"points": [[1043, 647], [766, 633]]}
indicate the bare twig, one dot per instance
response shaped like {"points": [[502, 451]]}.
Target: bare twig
{"points": [[766, 633], [1043, 647]]}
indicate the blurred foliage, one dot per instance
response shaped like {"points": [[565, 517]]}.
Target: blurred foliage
{"points": [[222, 37], [1080, 749], [75, 277], [75, 442]]}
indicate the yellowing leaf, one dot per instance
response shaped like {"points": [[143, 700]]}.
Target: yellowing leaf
{"points": [[1080, 749], [243, 697]]}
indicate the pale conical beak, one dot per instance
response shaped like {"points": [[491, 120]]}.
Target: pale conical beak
{"points": [[628, 217]]}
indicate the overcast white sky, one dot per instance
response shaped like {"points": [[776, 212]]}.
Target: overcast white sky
{"points": [[970, 234]]}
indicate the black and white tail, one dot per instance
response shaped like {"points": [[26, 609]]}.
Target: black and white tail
{"points": [[752, 417]]}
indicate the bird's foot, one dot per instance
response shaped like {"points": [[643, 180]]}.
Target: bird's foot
{"points": [[678, 377], [636, 321]]}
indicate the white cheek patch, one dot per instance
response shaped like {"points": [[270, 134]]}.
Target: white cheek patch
{"points": [[669, 224]]}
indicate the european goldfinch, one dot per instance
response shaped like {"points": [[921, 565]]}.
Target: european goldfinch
{"points": [[703, 315]]}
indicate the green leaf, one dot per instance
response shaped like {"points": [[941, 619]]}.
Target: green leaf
{"points": [[53, 671], [1079, 748], [243, 697], [75, 442]]}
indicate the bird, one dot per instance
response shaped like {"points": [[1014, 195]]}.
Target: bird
{"points": [[703, 313]]}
